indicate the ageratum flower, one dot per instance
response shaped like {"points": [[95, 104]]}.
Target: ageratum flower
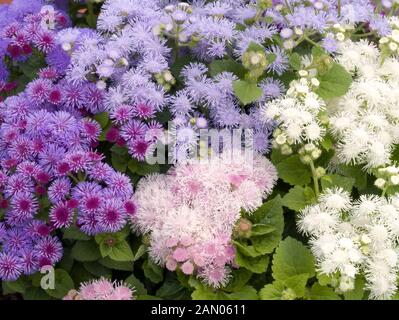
{"points": [[191, 220]]}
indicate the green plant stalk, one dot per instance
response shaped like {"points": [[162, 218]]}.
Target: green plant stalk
{"points": [[315, 179]]}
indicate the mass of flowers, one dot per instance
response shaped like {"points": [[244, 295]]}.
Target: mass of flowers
{"points": [[227, 149]]}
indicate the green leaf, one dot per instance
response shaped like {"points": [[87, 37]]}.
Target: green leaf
{"points": [[239, 278], [74, 233], [358, 292], [140, 252], [205, 293], [291, 170], [261, 229], [117, 265], [246, 250], [31, 67], [102, 118], [334, 83], [295, 199], [152, 271], [171, 289], [295, 61], [136, 284], [121, 251], [292, 258], [36, 294], [247, 92], [86, 251], [297, 284], [256, 265], [142, 168], [18, 286], [62, 284], [356, 173], [245, 293], [318, 292], [97, 269], [272, 291], [335, 180], [270, 213], [119, 162], [226, 65]]}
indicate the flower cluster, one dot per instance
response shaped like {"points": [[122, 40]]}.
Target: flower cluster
{"points": [[352, 238], [191, 220], [365, 120], [101, 289]]}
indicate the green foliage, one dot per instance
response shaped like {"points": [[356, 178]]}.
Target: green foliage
{"points": [[247, 92], [291, 170], [334, 83]]}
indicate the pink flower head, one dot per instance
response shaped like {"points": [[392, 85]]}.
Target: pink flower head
{"points": [[180, 254]]}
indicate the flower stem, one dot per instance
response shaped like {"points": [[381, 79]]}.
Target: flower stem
{"points": [[315, 179], [339, 8]]}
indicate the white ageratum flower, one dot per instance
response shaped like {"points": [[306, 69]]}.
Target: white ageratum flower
{"points": [[355, 238], [364, 121]]}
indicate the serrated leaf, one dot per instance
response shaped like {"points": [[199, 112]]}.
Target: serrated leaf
{"points": [[171, 289], [102, 118], [334, 83], [85, 251], [292, 258], [139, 288], [121, 251], [119, 162], [152, 271], [256, 265], [261, 229], [297, 284], [295, 61], [226, 65], [246, 250], [62, 284], [335, 180], [245, 293], [272, 291], [358, 292], [291, 170], [239, 278], [117, 265], [318, 292], [270, 213], [97, 269], [74, 233], [295, 199], [247, 92]]}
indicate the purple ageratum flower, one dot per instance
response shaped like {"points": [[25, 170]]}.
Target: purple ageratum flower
{"points": [[44, 41], [280, 63], [21, 149], [48, 249], [58, 59], [28, 262], [181, 103], [228, 116], [16, 240], [10, 267], [381, 25], [308, 18], [139, 148], [261, 141], [74, 96], [122, 113], [38, 123], [3, 232], [88, 222], [272, 89], [94, 99], [59, 189], [120, 185], [82, 189], [38, 90], [24, 205], [100, 171], [61, 215], [330, 44], [4, 73], [91, 202], [18, 183], [111, 216], [51, 156], [132, 130], [90, 129]]}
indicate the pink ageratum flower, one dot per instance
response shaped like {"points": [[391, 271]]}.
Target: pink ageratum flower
{"points": [[101, 289], [198, 203]]}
